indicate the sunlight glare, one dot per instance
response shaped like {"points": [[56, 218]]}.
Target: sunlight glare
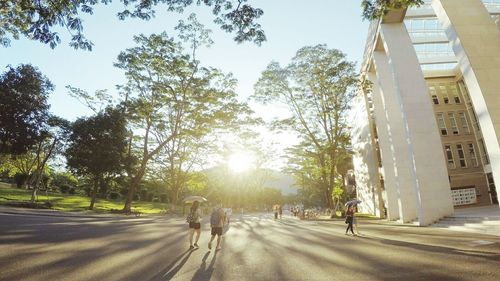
{"points": [[240, 161]]}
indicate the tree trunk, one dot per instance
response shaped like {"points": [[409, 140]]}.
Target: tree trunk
{"points": [[103, 188], [174, 193], [94, 193], [34, 195], [133, 186]]}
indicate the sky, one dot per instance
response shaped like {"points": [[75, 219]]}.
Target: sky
{"points": [[288, 24]]}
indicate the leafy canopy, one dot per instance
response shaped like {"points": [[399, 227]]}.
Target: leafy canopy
{"points": [[37, 19], [24, 110], [97, 144], [375, 9]]}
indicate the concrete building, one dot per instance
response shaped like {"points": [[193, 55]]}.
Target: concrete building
{"points": [[426, 136]]}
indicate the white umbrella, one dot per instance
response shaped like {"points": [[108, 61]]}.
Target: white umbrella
{"points": [[352, 202], [191, 199]]}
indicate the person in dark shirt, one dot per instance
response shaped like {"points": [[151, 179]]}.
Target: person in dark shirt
{"points": [[349, 219]]}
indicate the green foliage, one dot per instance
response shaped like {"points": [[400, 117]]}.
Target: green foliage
{"points": [[20, 179], [170, 97], [97, 147], [317, 87], [97, 144], [37, 19], [375, 9], [23, 108], [64, 181], [74, 203]]}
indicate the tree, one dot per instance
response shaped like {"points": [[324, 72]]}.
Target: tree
{"points": [[375, 9], [50, 143], [316, 87], [23, 108], [37, 19], [97, 147], [174, 102]]}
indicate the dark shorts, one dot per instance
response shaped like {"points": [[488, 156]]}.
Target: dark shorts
{"points": [[216, 231], [195, 225]]}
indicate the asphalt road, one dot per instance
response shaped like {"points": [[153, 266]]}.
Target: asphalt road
{"points": [[255, 248]]}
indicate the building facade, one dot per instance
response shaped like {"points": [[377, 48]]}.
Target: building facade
{"points": [[426, 135]]}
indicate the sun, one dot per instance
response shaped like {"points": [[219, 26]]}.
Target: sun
{"points": [[240, 161]]}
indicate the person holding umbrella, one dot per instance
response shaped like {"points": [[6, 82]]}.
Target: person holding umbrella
{"points": [[193, 219], [354, 205], [349, 218]]}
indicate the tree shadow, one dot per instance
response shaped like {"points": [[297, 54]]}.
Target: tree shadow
{"points": [[170, 270]]}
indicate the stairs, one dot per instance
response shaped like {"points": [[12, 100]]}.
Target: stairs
{"points": [[471, 223]]}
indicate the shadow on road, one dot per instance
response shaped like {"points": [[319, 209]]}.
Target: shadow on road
{"points": [[436, 249], [203, 273], [170, 270]]}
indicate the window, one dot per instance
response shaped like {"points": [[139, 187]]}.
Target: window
{"points": [[453, 123], [456, 98], [442, 124], [446, 99], [435, 99], [449, 156], [472, 155], [461, 156], [463, 121], [464, 196]]}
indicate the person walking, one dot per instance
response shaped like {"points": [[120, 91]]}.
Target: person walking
{"points": [[355, 219], [217, 222], [349, 219], [194, 218], [280, 210]]}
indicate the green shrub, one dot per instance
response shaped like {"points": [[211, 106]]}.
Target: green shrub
{"points": [[64, 188], [114, 196], [20, 179], [163, 198]]}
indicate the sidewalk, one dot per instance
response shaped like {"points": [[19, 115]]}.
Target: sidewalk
{"points": [[481, 220]]}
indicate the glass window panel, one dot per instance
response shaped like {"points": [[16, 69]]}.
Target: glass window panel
{"points": [[449, 156], [463, 121], [472, 155], [441, 124], [453, 123], [461, 156]]}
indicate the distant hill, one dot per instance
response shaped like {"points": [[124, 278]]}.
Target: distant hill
{"points": [[283, 182]]}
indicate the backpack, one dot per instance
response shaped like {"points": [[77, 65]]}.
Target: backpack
{"points": [[215, 217], [190, 217]]}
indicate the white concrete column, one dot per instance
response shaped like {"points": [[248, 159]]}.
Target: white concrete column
{"points": [[476, 42], [364, 158], [396, 132], [421, 167], [385, 143]]}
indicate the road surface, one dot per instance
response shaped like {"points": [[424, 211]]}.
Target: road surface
{"points": [[256, 247]]}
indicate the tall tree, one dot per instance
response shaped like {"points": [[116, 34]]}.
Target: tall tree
{"points": [[24, 110], [50, 144], [97, 146], [375, 9], [316, 87], [174, 102], [37, 19]]}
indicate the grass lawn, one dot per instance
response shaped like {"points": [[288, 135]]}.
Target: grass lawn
{"points": [[366, 216], [75, 203]]}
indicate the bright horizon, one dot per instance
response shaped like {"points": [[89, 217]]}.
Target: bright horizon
{"points": [[289, 25]]}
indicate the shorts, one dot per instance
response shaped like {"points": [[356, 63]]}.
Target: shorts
{"points": [[216, 231], [195, 225]]}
